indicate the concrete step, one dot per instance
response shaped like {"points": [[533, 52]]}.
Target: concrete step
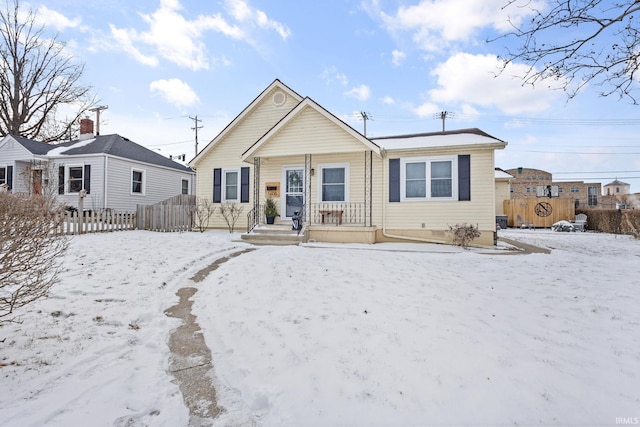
{"points": [[273, 234]]}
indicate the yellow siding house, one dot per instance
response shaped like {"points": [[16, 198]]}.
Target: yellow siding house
{"points": [[345, 186]]}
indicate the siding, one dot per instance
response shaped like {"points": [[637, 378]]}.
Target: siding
{"points": [[159, 184], [312, 133], [11, 154], [438, 215], [228, 151]]}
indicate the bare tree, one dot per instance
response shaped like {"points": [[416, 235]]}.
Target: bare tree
{"points": [[577, 42], [38, 78], [204, 211], [231, 212], [29, 250]]}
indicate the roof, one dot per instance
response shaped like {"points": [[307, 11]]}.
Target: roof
{"points": [[289, 117], [472, 136], [34, 147], [114, 145], [500, 174], [247, 110], [617, 182]]}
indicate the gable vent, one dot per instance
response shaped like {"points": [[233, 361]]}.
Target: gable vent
{"points": [[279, 98]]}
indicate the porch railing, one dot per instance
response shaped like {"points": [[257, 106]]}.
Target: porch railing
{"points": [[254, 217], [338, 213]]}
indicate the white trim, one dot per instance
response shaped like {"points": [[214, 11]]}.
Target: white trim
{"points": [[427, 161], [223, 189], [283, 189], [182, 180], [67, 178], [143, 186], [322, 166]]}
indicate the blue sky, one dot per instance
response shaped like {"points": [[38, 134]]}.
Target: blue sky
{"points": [[157, 62]]}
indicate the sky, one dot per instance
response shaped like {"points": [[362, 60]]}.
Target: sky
{"points": [[392, 334], [160, 64]]}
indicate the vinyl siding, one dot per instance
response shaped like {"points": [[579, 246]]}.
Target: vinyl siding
{"points": [[228, 151], [312, 133], [14, 154], [439, 215], [93, 200], [159, 184]]}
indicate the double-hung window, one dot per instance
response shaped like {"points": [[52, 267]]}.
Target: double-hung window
{"points": [[137, 181], [231, 185], [333, 182], [3, 175], [185, 186], [428, 178], [75, 178]]}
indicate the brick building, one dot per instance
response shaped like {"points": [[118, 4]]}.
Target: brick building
{"points": [[533, 183]]}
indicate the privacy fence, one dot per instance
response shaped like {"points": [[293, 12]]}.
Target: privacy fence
{"points": [[174, 214]]}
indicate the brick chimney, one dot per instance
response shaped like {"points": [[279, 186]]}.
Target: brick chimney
{"points": [[86, 128]]}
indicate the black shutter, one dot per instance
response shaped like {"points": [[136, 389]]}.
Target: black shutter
{"points": [[394, 180], [10, 177], [61, 180], [217, 185], [244, 185], [464, 177], [87, 178]]}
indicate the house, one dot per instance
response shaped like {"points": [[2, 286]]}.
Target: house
{"points": [[348, 188], [114, 172]]}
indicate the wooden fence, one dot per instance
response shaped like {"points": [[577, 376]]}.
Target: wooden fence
{"points": [[94, 222], [541, 212], [174, 214]]}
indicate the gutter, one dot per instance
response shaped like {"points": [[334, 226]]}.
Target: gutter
{"points": [[385, 179]]}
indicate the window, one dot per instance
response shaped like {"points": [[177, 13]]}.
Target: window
{"points": [[575, 189], [137, 181], [592, 195], [185, 186], [3, 175], [429, 178], [333, 182], [75, 178], [231, 185], [560, 190]]}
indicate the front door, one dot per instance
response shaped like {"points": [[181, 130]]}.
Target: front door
{"points": [[36, 177], [293, 200]]}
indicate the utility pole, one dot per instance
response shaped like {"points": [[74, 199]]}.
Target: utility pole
{"points": [[97, 110], [365, 116], [195, 128], [443, 115]]}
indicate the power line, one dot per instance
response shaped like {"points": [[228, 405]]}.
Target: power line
{"points": [[365, 116], [195, 128]]}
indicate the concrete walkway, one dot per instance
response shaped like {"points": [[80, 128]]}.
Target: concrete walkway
{"points": [[191, 358], [524, 248]]}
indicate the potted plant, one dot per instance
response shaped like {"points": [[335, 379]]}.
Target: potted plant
{"points": [[270, 210]]}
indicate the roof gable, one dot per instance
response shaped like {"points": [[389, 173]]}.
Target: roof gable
{"points": [[296, 114], [34, 147], [236, 122]]}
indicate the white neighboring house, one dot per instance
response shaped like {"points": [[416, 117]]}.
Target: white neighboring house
{"points": [[115, 172]]}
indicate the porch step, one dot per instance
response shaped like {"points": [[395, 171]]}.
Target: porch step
{"points": [[278, 235]]}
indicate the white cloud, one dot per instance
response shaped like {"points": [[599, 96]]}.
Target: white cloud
{"points": [[175, 91], [397, 57], [361, 93], [173, 37], [330, 75], [50, 18], [436, 23], [427, 109], [242, 12], [471, 79], [387, 100]]}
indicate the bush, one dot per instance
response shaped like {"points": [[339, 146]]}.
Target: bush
{"points": [[463, 234], [30, 250], [615, 221]]}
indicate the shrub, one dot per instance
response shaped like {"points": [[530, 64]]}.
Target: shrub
{"points": [[231, 212], [463, 234], [30, 250]]}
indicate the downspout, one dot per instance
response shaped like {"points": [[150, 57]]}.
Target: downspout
{"points": [[385, 200], [104, 181]]}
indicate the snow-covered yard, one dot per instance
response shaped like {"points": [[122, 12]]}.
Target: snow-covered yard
{"points": [[353, 335]]}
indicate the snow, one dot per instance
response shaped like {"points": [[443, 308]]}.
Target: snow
{"points": [[59, 151], [424, 141], [329, 334]]}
